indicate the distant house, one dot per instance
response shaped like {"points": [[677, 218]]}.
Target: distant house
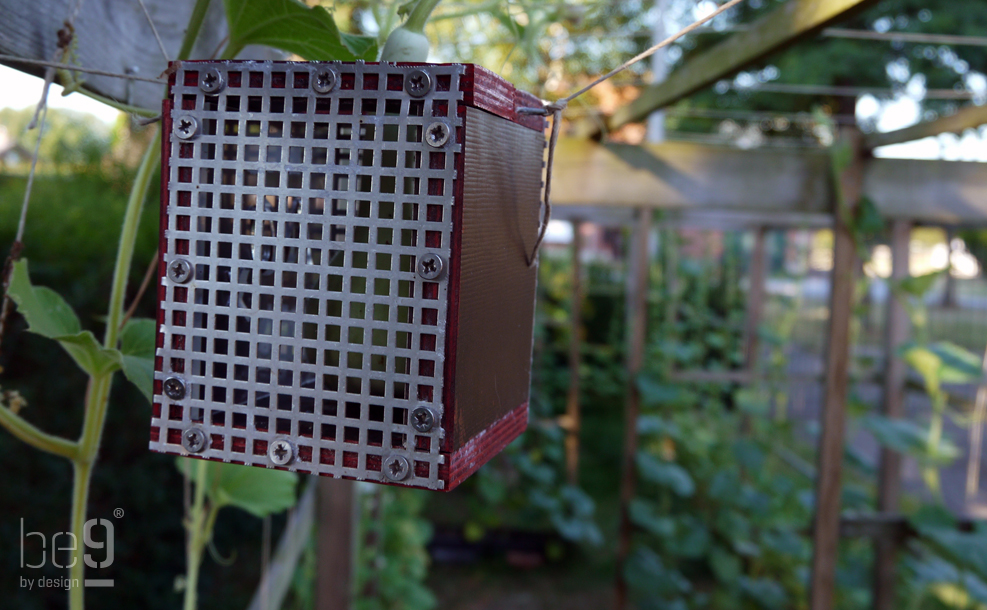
{"points": [[11, 151]]}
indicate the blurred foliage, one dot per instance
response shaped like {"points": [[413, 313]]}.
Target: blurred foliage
{"points": [[392, 562]]}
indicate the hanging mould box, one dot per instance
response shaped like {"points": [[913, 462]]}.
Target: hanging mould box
{"points": [[343, 287]]}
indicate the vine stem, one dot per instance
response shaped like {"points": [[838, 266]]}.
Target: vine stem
{"points": [[195, 544], [200, 522], [419, 15], [194, 25], [98, 392]]}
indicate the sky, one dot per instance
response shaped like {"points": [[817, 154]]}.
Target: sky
{"points": [[19, 90]]}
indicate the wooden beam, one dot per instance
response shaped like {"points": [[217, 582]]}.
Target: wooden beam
{"points": [[967, 118], [111, 36], [637, 304], [826, 525], [573, 418], [770, 183], [912, 37], [889, 462], [334, 547], [793, 21]]}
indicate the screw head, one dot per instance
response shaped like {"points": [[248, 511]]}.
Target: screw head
{"points": [[437, 134], [281, 452], [174, 388], [417, 83], [396, 468], [194, 440], [179, 271], [323, 80], [430, 266], [185, 127], [211, 81], [422, 419]]}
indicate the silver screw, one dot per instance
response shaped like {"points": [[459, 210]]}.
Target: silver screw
{"points": [[422, 419], [174, 388], [417, 83], [281, 452], [396, 468], [186, 127], [430, 266], [211, 81], [179, 271], [323, 81], [437, 134], [193, 440]]}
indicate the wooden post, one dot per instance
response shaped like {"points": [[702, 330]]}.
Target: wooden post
{"points": [[755, 307], [572, 415], [977, 437], [334, 551], [755, 299], [889, 464], [949, 294], [636, 315], [826, 525]]}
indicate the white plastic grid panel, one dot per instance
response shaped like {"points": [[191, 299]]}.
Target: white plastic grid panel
{"points": [[303, 216]]}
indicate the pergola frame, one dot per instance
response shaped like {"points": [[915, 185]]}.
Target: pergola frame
{"points": [[773, 188], [623, 184]]}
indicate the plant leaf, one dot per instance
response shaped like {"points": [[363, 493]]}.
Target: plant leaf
{"points": [[259, 491], [958, 365], [918, 285], [665, 474], [644, 515], [291, 26], [909, 438], [646, 573], [48, 315], [137, 354], [927, 364]]}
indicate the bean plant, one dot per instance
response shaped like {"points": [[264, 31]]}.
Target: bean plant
{"points": [[128, 344]]}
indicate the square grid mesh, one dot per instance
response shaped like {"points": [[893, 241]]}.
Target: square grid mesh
{"points": [[303, 216]]}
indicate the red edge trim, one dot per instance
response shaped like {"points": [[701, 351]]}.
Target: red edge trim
{"points": [[482, 447]]}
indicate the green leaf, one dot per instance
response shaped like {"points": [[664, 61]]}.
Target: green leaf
{"points": [[292, 26], [645, 572], [48, 315], [725, 565], [657, 425], [958, 365], [46, 312], [918, 285], [754, 401], [909, 438], [259, 491], [665, 474], [137, 354], [643, 514], [967, 550], [661, 394]]}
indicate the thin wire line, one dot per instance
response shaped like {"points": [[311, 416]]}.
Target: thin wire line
{"points": [[140, 291], [155, 30], [557, 107], [18, 245], [651, 51], [74, 68]]}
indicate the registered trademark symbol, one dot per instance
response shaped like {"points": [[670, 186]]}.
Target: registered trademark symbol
{"points": [[117, 512]]}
